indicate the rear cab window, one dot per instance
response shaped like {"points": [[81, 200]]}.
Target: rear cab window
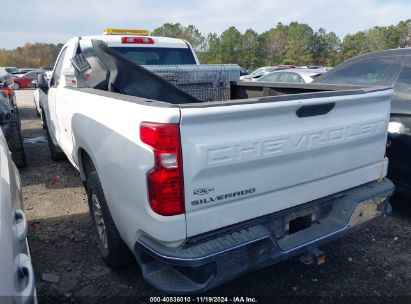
{"points": [[157, 55]]}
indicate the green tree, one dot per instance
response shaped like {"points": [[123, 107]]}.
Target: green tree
{"points": [[212, 53], [275, 44], [248, 54], [300, 38], [403, 28], [326, 48], [230, 44], [30, 55], [176, 30], [354, 45]]}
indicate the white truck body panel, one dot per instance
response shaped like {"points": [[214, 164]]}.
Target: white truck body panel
{"points": [[110, 135]]}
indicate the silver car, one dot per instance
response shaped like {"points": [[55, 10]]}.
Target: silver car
{"points": [[260, 72], [17, 284], [293, 75]]}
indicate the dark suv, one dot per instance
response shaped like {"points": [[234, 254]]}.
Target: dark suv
{"points": [[386, 68], [6, 84], [10, 125]]}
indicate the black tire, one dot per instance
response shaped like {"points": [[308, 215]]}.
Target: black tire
{"points": [[55, 151], [16, 86], [113, 250], [15, 142]]}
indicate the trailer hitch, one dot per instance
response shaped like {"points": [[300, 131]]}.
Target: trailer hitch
{"points": [[313, 255]]}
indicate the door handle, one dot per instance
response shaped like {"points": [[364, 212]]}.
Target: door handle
{"points": [[314, 110], [24, 273], [20, 225]]}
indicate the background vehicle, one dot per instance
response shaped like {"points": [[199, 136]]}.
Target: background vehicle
{"points": [[292, 76], [12, 70], [243, 72], [26, 70], [6, 83], [312, 66], [26, 80], [40, 97], [47, 68], [16, 271], [390, 68], [23, 71], [278, 175], [11, 95], [264, 71], [10, 123], [5, 112], [5, 78]]}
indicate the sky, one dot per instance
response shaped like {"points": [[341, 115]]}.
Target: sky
{"points": [[55, 21]]}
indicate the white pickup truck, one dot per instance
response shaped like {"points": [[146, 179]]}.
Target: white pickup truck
{"points": [[202, 192]]}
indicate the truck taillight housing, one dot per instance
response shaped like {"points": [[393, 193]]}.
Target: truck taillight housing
{"points": [[165, 179], [137, 40], [7, 90]]}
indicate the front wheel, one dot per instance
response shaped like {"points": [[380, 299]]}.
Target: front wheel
{"points": [[113, 250], [16, 86]]}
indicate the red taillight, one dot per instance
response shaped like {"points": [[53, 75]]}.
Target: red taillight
{"points": [[7, 90], [165, 180], [142, 40]]}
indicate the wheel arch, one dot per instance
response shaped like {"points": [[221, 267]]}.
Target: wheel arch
{"points": [[85, 163]]}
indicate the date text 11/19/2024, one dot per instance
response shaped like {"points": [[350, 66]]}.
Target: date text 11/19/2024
{"points": [[203, 300]]}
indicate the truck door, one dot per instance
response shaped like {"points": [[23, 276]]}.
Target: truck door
{"points": [[51, 115], [63, 103]]}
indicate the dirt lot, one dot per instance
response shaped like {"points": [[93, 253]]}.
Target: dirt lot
{"points": [[372, 265]]}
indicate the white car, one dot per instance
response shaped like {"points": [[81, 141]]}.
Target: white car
{"points": [[258, 73], [17, 284], [292, 76], [39, 97]]}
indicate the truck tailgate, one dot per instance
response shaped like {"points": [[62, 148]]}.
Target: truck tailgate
{"points": [[246, 160]]}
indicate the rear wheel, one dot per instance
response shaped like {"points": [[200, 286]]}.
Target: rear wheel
{"points": [[15, 142], [16, 86], [113, 250]]}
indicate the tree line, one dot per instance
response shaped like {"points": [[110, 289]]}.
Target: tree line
{"points": [[33, 55], [294, 43]]}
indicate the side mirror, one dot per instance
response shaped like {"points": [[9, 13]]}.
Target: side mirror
{"points": [[42, 82]]}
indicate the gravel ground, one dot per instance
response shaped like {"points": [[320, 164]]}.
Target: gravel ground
{"points": [[370, 265]]}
